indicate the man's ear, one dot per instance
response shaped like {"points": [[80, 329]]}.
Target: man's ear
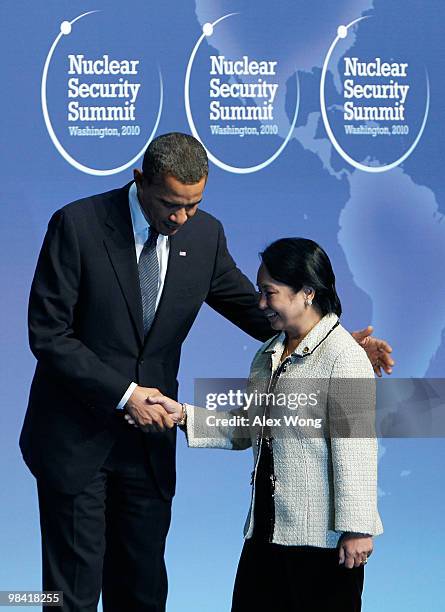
{"points": [[138, 177]]}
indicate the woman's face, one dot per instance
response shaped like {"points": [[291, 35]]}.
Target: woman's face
{"points": [[284, 309]]}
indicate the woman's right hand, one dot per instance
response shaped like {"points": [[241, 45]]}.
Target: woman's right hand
{"points": [[170, 405], [144, 414]]}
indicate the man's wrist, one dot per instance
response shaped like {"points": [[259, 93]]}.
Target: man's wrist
{"points": [[132, 386]]}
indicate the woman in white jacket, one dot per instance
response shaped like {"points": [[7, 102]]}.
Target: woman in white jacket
{"points": [[314, 511]]}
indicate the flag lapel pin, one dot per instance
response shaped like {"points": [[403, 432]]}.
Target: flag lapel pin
{"points": [[183, 253]]}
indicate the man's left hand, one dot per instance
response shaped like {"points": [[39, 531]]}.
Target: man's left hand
{"points": [[378, 351]]}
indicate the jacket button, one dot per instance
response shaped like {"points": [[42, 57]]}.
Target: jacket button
{"points": [[141, 361], [306, 349]]}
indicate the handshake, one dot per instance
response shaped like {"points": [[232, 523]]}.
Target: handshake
{"points": [[149, 410]]}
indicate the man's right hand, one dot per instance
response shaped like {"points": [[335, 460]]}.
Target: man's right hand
{"points": [[146, 416]]}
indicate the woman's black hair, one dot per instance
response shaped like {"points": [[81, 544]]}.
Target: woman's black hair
{"points": [[298, 263]]}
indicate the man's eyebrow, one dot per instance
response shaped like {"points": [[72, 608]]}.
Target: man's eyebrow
{"points": [[176, 205]]}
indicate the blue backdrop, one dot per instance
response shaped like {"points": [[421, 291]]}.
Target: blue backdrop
{"points": [[383, 230]]}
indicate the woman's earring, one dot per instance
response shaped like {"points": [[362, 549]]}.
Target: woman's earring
{"points": [[308, 302]]}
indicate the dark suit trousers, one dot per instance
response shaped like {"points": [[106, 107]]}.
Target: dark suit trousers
{"points": [[111, 536]]}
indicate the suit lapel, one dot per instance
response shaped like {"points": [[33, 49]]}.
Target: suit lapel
{"points": [[119, 244], [175, 271]]}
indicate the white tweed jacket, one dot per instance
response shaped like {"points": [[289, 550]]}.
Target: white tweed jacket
{"points": [[324, 484]]}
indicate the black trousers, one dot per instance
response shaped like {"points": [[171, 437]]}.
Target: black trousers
{"points": [[275, 578], [109, 537]]}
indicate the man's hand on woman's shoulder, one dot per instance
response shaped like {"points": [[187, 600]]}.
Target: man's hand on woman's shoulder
{"points": [[378, 351]]}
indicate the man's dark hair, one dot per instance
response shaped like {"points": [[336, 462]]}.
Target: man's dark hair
{"points": [[177, 154], [298, 263]]}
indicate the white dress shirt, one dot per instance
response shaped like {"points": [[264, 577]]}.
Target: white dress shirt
{"points": [[140, 231]]}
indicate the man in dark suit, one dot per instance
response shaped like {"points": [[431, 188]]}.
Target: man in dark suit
{"points": [[119, 281]]}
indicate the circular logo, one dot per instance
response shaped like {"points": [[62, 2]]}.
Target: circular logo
{"points": [[98, 105], [377, 108], [234, 98]]}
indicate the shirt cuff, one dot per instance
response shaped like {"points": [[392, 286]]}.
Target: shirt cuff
{"points": [[126, 396]]}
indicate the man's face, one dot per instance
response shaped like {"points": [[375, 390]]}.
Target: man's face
{"points": [[168, 203]]}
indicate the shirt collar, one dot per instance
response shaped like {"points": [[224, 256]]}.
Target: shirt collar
{"points": [[310, 342], [140, 223]]}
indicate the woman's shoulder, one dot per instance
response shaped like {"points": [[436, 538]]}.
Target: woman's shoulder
{"points": [[348, 357]]}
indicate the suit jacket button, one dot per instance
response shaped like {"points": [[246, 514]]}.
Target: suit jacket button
{"points": [[141, 361]]}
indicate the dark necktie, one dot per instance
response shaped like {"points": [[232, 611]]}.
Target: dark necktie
{"points": [[149, 278]]}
